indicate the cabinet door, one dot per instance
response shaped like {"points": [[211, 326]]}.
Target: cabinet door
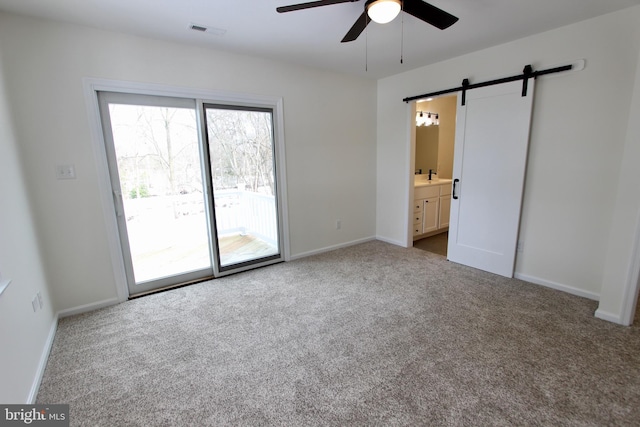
{"points": [[430, 217], [445, 209]]}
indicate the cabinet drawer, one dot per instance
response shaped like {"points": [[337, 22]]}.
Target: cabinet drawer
{"points": [[417, 229], [417, 219], [417, 206], [427, 192], [445, 189]]}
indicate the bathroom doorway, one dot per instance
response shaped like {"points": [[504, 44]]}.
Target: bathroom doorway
{"points": [[435, 126]]}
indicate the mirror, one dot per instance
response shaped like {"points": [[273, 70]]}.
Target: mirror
{"points": [[427, 148]]}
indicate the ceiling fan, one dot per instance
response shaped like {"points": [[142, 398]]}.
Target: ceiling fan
{"points": [[383, 11]]}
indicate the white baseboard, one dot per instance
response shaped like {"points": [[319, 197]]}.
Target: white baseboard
{"points": [[331, 248], [558, 286], [87, 307], [610, 317], [33, 393]]}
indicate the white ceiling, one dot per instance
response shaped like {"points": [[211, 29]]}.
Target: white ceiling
{"points": [[312, 37]]}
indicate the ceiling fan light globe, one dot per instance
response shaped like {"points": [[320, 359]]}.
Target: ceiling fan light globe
{"points": [[383, 11]]}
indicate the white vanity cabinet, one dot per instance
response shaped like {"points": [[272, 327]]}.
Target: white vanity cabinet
{"points": [[431, 207]]}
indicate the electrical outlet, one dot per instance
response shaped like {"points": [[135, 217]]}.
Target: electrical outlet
{"points": [[338, 224], [39, 295], [66, 172]]}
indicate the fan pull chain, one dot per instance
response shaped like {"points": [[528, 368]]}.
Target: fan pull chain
{"points": [[366, 48], [402, 34]]}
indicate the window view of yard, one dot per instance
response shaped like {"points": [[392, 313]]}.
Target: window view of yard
{"points": [[161, 179]]}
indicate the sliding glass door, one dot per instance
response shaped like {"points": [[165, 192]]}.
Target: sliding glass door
{"points": [[241, 149], [194, 187], [158, 187]]}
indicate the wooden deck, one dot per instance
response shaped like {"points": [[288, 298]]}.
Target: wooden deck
{"points": [[239, 248]]}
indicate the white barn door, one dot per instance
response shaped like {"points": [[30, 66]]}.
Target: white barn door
{"points": [[492, 138]]}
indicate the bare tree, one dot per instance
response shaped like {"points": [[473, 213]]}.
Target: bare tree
{"points": [[241, 148], [240, 144], [161, 142]]}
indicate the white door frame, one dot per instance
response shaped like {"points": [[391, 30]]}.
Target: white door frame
{"points": [[410, 174], [92, 86], [632, 287], [631, 292]]}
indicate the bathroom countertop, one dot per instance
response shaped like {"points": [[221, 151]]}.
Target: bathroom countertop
{"points": [[420, 182]]}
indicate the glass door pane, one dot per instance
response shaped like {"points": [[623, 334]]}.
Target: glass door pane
{"points": [[155, 165], [241, 153]]}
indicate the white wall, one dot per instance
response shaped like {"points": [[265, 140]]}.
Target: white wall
{"points": [[23, 333], [577, 140], [329, 136]]}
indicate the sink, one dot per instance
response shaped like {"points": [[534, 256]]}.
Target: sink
{"points": [[424, 179]]}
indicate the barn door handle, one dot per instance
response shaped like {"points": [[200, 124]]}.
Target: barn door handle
{"points": [[453, 192]]}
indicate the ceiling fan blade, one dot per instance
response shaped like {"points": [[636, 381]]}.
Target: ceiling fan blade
{"points": [[357, 28], [309, 5], [429, 13]]}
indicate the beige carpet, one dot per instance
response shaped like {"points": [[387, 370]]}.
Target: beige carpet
{"points": [[368, 335]]}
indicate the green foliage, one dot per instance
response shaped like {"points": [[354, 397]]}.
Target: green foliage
{"points": [[139, 191]]}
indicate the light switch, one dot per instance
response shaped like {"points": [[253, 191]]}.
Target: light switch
{"points": [[66, 172]]}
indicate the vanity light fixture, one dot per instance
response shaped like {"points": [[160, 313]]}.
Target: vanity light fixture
{"points": [[383, 11], [431, 119]]}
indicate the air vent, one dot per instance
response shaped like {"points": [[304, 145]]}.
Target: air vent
{"points": [[198, 28], [206, 29]]}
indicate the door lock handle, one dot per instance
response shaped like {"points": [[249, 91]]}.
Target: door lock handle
{"points": [[453, 192], [117, 202]]}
